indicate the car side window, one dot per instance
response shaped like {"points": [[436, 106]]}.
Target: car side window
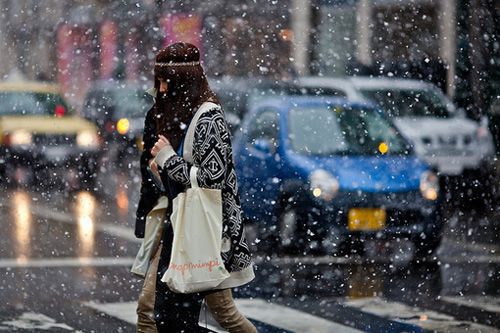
{"points": [[265, 126], [330, 92]]}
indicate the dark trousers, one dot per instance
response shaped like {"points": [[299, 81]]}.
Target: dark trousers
{"points": [[175, 313]]}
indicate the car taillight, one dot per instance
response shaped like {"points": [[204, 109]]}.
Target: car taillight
{"points": [[109, 126], [6, 140], [59, 111], [482, 132]]}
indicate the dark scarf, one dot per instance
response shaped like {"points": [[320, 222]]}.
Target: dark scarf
{"points": [[172, 119]]}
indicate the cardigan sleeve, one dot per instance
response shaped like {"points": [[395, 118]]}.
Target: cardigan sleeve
{"points": [[209, 150], [149, 139], [149, 192]]}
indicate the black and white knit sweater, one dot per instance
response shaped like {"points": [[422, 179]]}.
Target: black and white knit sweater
{"points": [[212, 154]]}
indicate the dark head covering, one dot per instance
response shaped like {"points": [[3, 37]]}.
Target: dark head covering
{"points": [[179, 64]]}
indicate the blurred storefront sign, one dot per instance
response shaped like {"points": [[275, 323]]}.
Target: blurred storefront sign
{"points": [[98, 50], [132, 57], [64, 56], [74, 69], [182, 27], [108, 41]]}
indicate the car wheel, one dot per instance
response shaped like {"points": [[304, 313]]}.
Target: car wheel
{"points": [[426, 248]]}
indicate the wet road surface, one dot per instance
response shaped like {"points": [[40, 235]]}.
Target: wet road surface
{"points": [[65, 261]]}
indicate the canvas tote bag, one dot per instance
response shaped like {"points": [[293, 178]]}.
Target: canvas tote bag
{"points": [[195, 262]]}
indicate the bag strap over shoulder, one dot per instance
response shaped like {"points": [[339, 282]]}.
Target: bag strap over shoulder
{"points": [[192, 177], [189, 139]]}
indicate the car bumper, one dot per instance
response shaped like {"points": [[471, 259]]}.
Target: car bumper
{"points": [[40, 157], [457, 165], [407, 215]]}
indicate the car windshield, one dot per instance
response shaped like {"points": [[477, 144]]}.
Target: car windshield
{"points": [[339, 130], [236, 101], [132, 103], [409, 103], [30, 103]]}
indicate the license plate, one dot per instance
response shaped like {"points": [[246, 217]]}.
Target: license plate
{"points": [[55, 153], [366, 219]]}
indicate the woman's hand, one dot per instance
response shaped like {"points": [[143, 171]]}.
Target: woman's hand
{"points": [[159, 145], [154, 167]]}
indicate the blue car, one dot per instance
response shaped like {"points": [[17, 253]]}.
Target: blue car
{"points": [[325, 173]]}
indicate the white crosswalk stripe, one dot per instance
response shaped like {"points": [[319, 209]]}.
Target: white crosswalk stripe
{"points": [[488, 303], [33, 321], [272, 314], [109, 228], [66, 262], [288, 318], [125, 311], [424, 318], [277, 315]]}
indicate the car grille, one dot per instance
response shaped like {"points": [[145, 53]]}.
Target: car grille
{"points": [[449, 145], [54, 139]]}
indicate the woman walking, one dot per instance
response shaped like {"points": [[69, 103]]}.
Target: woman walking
{"points": [[182, 89]]}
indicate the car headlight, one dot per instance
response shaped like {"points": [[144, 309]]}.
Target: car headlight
{"points": [[485, 140], [323, 185], [87, 139], [20, 137], [429, 185], [122, 126]]}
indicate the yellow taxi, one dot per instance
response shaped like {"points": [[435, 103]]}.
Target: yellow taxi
{"points": [[41, 141]]}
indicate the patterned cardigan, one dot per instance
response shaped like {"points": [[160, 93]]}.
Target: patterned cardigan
{"points": [[212, 154]]}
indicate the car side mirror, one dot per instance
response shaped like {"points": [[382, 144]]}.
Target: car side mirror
{"points": [[264, 146]]}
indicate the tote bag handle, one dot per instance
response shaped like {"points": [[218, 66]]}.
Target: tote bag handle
{"points": [[192, 177], [189, 139]]}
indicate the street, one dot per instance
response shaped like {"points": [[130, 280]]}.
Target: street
{"points": [[348, 150], [65, 263]]}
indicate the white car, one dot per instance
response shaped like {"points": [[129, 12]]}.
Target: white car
{"points": [[441, 134]]}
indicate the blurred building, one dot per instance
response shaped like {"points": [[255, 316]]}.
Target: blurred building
{"points": [[76, 42], [27, 36], [478, 56], [381, 37], [451, 43]]}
